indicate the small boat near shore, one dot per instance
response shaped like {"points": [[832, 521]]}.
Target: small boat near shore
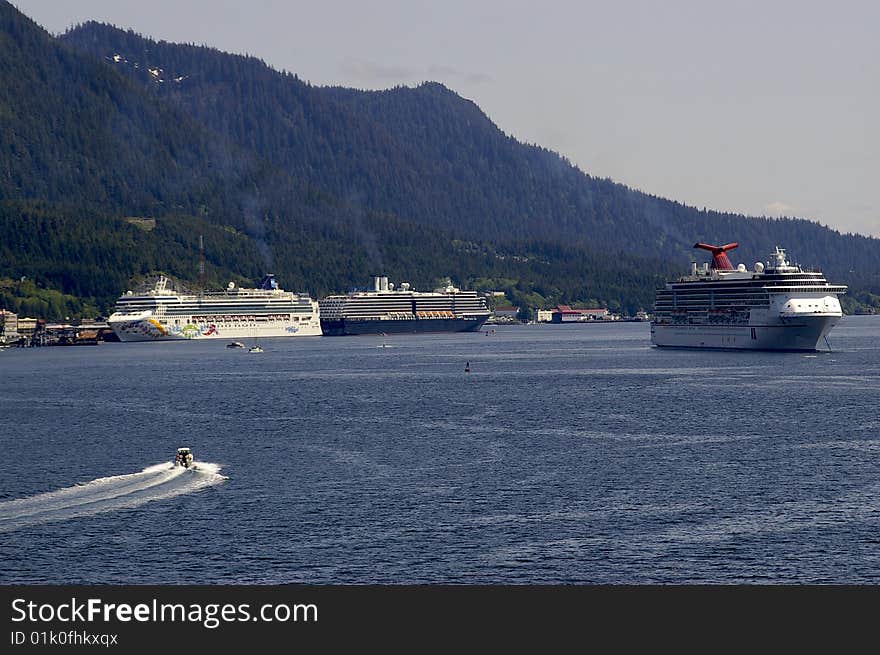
{"points": [[235, 344]]}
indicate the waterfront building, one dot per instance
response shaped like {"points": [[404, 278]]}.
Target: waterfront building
{"points": [[8, 326]]}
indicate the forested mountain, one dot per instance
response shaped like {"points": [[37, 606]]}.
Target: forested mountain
{"points": [[118, 151], [432, 157]]}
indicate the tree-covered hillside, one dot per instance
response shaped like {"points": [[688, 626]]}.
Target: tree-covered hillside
{"points": [[432, 157]]}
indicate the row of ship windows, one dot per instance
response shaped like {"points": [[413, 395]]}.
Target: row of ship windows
{"points": [[707, 305], [402, 302], [703, 310], [446, 297], [738, 292], [379, 309], [721, 297], [231, 311], [398, 316], [718, 301], [241, 319], [237, 307], [731, 308], [735, 294], [707, 296], [217, 300], [221, 296], [749, 285]]}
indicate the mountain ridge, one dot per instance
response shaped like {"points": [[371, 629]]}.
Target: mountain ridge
{"points": [[400, 116]]}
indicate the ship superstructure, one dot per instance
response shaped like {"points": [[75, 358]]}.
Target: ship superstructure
{"points": [[161, 313], [386, 309], [775, 306]]}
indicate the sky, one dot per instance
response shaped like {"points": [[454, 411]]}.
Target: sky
{"points": [[765, 108]]}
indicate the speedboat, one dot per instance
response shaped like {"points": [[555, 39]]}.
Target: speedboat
{"points": [[235, 344], [183, 458], [255, 349]]}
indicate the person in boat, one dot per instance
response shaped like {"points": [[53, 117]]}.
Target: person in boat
{"points": [[183, 457]]}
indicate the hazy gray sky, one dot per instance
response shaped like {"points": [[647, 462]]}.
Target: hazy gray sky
{"points": [[760, 107]]}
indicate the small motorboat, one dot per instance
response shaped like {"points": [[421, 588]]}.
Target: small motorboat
{"points": [[255, 349], [235, 344], [184, 458]]}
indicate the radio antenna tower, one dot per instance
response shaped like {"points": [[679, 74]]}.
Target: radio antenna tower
{"points": [[202, 262]]}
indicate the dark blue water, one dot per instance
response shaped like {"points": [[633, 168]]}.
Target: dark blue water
{"points": [[574, 454]]}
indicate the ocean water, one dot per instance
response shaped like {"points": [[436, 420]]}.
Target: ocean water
{"points": [[568, 454]]}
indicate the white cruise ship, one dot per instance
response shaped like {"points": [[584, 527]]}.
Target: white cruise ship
{"points": [[267, 311], [775, 306]]}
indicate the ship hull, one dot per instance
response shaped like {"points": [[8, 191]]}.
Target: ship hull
{"points": [[794, 334], [345, 327], [149, 329]]}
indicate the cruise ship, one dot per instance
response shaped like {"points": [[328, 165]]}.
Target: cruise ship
{"points": [[386, 310], [162, 314], [775, 306]]}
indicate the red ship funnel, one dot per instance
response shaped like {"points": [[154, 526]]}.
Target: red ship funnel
{"points": [[720, 262]]}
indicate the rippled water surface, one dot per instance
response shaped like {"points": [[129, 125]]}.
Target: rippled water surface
{"points": [[574, 454]]}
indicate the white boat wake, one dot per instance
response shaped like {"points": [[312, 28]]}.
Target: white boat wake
{"points": [[156, 482]]}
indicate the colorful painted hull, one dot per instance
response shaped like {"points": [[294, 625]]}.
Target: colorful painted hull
{"points": [[148, 328]]}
